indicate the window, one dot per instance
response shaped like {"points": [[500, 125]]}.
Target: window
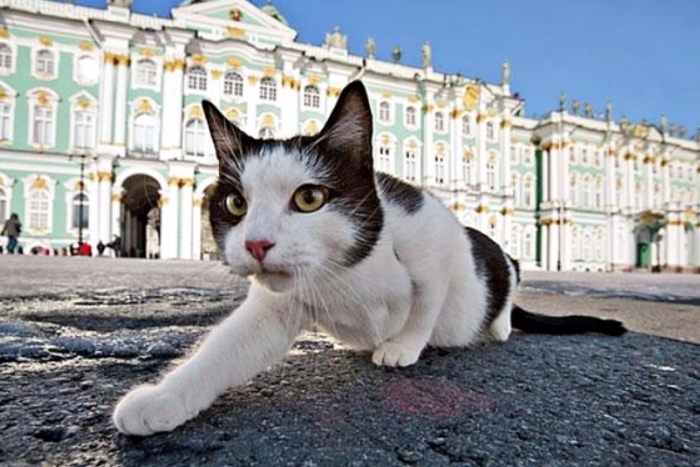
{"points": [[529, 244], [586, 192], [410, 168], [268, 89], [5, 123], [195, 137], [598, 194], [411, 116], [147, 73], [267, 132], [440, 168], [439, 122], [38, 207], [572, 155], [575, 244], [515, 241], [87, 70], [528, 191], [385, 112], [491, 179], [197, 78], [84, 130], [514, 155], [233, 84], [517, 197], [144, 133], [384, 162], [45, 64], [468, 169], [43, 126], [466, 125], [312, 97], [527, 157], [573, 189], [5, 59], [490, 131], [584, 156], [81, 211]]}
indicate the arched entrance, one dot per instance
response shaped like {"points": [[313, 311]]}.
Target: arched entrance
{"points": [[141, 217], [210, 251]]}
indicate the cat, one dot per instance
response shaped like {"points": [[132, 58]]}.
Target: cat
{"points": [[326, 241]]}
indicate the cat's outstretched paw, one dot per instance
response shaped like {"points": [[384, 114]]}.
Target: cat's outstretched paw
{"points": [[395, 354], [149, 409]]}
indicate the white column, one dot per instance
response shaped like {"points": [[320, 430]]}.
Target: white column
{"points": [[197, 227], [107, 99], [610, 180], [289, 104], [171, 131], [169, 231], [544, 247], [94, 207], [507, 179], [481, 155], [553, 244], [116, 214], [649, 182], [120, 100], [665, 179], [186, 218], [104, 192], [629, 179], [428, 148]]}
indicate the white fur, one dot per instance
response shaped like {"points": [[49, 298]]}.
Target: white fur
{"points": [[418, 287]]}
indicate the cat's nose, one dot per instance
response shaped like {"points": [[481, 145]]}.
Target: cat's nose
{"points": [[258, 248]]}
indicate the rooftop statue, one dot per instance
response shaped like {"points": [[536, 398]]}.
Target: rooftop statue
{"points": [[505, 73], [370, 47], [426, 53], [336, 40]]}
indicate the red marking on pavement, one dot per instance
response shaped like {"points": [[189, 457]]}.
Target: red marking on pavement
{"points": [[434, 399]]}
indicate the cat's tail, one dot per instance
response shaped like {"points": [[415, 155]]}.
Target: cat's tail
{"points": [[575, 324]]}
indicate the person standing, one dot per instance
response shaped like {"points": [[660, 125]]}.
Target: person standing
{"points": [[12, 228]]}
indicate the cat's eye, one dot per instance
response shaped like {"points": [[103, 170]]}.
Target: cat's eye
{"points": [[236, 204], [309, 198]]}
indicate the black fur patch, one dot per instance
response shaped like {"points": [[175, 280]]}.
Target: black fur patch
{"points": [[491, 264], [400, 193]]}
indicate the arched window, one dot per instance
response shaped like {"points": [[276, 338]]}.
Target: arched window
{"points": [[43, 125], [195, 137], [81, 211], [233, 84], [268, 89], [38, 210], [440, 168], [147, 73], [572, 155], [529, 244], [384, 162], [83, 130], [411, 116], [517, 198], [5, 58], [267, 132], [491, 174], [586, 192], [312, 97], [515, 241], [468, 168], [575, 243], [45, 64], [490, 131], [439, 122], [528, 191], [5, 122], [385, 112], [197, 78], [144, 133], [466, 125]]}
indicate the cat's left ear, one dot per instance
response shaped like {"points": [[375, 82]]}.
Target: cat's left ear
{"points": [[229, 140], [348, 131]]}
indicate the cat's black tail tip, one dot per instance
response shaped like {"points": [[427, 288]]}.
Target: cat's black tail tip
{"points": [[541, 324]]}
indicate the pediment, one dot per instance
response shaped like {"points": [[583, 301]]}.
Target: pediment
{"points": [[228, 18]]}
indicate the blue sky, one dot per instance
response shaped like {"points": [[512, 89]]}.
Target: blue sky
{"points": [[643, 55]]}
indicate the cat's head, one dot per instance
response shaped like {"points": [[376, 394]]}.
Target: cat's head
{"points": [[286, 211]]}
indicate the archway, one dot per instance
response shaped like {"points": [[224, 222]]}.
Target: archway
{"points": [[140, 218], [210, 250]]}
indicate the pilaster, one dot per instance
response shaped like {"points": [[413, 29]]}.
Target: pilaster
{"points": [[197, 202], [186, 218]]}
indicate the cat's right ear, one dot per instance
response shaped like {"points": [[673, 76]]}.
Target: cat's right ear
{"points": [[230, 141]]}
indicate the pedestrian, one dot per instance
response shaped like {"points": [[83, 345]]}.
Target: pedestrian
{"points": [[100, 248], [12, 228]]}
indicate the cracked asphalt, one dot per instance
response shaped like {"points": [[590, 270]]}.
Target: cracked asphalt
{"points": [[77, 333]]}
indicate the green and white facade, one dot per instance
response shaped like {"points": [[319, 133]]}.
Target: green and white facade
{"points": [[101, 107]]}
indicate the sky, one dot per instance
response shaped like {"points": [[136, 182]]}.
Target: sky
{"points": [[642, 55]]}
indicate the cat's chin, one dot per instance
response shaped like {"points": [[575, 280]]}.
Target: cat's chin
{"points": [[278, 282]]}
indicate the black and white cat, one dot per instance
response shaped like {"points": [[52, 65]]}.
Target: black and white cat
{"points": [[326, 241]]}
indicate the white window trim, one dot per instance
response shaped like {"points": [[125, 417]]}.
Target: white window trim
{"points": [[13, 64], [205, 148], [32, 101], [159, 74], [156, 116], [244, 79], [417, 151], [390, 121], [12, 101], [445, 122], [470, 133], [51, 190], [76, 69], [70, 192], [91, 109], [202, 92], [260, 93], [416, 116], [56, 63], [320, 98]]}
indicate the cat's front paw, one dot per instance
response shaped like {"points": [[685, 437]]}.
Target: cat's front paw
{"points": [[149, 409], [395, 354]]}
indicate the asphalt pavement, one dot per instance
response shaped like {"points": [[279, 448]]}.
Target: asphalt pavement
{"points": [[77, 333]]}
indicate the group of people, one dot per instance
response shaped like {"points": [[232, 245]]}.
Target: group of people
{"points": [[13, 228]]}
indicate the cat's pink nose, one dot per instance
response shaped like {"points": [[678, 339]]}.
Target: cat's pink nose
{"points": [[258, 248]]}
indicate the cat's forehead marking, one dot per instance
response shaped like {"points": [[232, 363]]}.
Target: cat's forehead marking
{"points": [[276, 167]]}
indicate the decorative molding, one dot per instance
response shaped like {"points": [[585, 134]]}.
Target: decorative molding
{"points": [[216, 74], [413, 98], [39, 183], [45, 41], [253, 80], [104, 176], [177, 64], [186, 182], [198, 59], [313, 78], [162, 201], [481, 209], [506, 124], [428, 108], [480, 118], [235, 33], [86, 46], [195, 112], [117, 197], [144, 107], [4, 33], [147, 52], [333, 92], [269, 71], [234, 62], [173, 181]]}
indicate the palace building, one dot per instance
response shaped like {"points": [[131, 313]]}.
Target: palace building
{"points": [[102, 135]]}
